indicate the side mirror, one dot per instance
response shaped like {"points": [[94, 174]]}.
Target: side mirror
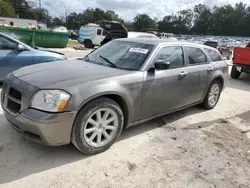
{"points": [[20, 47], [162, 65]]}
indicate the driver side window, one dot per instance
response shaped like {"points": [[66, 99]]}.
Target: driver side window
{"points": [[172, 54], [6, 44]]}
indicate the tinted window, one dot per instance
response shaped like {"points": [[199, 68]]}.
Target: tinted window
{"points": [[214, 55], [173, 55], [125, 55], [105, 33], [99, 31], [6, 44], [195, 55]]}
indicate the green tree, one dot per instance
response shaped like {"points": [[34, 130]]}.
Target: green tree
{"points": [[181, 22], [6, 9], [202, 20], [143, 21], [58, 21], [22, 8]]}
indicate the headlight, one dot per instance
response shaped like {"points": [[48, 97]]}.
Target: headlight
{"points": [[50, 100]]}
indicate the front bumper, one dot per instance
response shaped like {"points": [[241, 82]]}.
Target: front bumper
{"points": [[46, 128]]}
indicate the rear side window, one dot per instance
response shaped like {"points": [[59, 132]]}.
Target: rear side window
{"points": [[171, 54], [195, 56], [214, 55], [99, 31]]}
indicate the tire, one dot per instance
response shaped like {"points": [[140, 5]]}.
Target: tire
{"points": [[82, 140], [88, 43], [208, 105], [235, 74]]}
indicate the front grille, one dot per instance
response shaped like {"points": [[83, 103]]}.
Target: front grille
{"points": [[11, 99], [15, 94], [13, 106]]}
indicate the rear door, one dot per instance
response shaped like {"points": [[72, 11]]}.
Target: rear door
{"points": [[199, 70], [11, 58]]}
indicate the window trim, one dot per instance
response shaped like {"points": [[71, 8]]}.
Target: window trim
{"points": [[187, 60], [152, 58]]}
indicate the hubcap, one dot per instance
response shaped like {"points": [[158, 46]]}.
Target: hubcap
{"points": [[101, 127], [214, 95]]}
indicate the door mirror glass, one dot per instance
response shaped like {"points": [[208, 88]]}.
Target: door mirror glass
{"points": [[21, 47], [162, 65]]}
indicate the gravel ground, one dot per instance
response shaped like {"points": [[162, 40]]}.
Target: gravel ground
{"points": [[191, 148]]}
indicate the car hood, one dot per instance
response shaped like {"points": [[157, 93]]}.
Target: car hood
{"points": [[62, 74], [47, 50]]}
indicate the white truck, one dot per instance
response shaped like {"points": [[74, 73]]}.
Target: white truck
{"points": [[102, 32], [91, 35]]}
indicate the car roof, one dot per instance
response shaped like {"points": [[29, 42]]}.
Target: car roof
{"points": [[133, 34], [157, 41]]}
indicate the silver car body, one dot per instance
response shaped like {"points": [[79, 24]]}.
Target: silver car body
{"points": [[142, 95]]}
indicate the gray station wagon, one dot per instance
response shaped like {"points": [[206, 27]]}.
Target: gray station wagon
{"points": [[126, 82]]}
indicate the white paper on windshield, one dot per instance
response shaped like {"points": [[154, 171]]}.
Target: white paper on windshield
{"points": [[139, 50]]}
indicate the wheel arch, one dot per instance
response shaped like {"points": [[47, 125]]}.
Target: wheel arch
{"points": [[221, 80], [119, 99]]}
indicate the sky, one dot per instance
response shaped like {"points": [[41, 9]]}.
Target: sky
{"points": [[128, 9]]}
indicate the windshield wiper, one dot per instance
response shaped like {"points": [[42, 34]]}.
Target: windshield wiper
{"points": [[111, 64]]}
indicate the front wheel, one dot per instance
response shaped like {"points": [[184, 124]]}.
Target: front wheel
{"points": [[235, 73], [213, 95], [97, 126]]}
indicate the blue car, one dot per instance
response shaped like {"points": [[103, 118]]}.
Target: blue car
{"points": [[15, 54]]}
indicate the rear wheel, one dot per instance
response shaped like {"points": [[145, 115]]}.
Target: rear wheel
{"points": [[213, 95], [88, 43], [235, 73], [97, 126]]}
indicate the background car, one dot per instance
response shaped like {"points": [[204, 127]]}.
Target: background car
{"points": [[15, 54], [213, 44]]}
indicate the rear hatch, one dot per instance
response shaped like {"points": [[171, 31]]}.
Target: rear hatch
{"points": [[241, 56]]}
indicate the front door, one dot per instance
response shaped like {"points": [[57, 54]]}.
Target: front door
{"points": [[165, 90], [11, 58]]}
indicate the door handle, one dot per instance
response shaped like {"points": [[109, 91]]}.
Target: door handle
{"points": [[210, 69], [183, 74]]}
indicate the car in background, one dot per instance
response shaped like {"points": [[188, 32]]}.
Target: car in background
{"points": [[213, 44], [123, 83], [101, 32], [241, 61], [132, 34], [168, 36], [15, 54]]}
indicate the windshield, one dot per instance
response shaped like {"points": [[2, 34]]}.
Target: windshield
{"points": [[124, 55]]}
